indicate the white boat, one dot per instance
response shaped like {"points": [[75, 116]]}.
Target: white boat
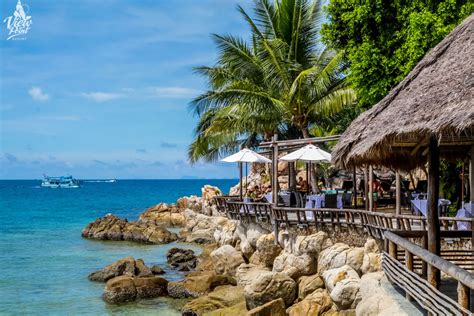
{"points": [[67, 182]]}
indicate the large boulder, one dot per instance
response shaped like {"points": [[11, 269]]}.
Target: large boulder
{"points": [[312, 244], [309, 284], [372, 257], [314, 304], [226, 260], [192, 202], [163, 215], [268, 286], [248, 234], [379, 297], [294, 265], [126, 266], [126, 288], [111, 227], [197, 284], [267, 251], [246, 273], [224, 234], [272, 308], [222, 297], [339, 255], [181, 259], [343, 285]]}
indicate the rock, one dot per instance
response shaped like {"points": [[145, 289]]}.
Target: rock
{"points": [[157, 270], [343, 285], [209, 192], [378, 297], [224, 234], [266, 251], [272, 308], [246, 273], [248, 234], [125, 288], [238, 309], [339, 255], [315, 303], [371, 246], [201, 236], [312, 244], [309, 284], [193, 203], [293, 265], [268, 286], [126, 266], [163, 214], [221, 297], [181, 259], [111, 227], [226, 260], [197, 283], [372, 263]]}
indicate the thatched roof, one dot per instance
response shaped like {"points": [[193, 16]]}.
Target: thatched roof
{"points": [[435, 99]]}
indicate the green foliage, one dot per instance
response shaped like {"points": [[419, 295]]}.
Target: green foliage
{"points": [[282, 81], [384, 40]]}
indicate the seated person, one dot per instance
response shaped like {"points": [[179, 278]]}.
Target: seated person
{"points": [[302, 185]]}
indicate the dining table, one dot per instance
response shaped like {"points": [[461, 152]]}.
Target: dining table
{"points": [[420, 206]]}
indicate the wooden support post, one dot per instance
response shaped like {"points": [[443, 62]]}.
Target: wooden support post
{"points": [[398, 193], [409, 265], [471, 176], [275, 182], [424, 265], [366, 188], [371, 188], [392, 249], [354, 188], [463, 295], [432, 211], [241, 180]]}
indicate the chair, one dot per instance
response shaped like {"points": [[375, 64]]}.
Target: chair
{"points": [[346, 200], [330, 200]]}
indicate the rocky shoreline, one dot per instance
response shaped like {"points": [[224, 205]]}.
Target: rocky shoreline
{"points": [[243, 269]]}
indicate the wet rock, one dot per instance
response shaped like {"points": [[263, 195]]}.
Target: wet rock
{"points": [[268, 286], [111, 227], [272, 308], [181, 259], [197, 284], [222, 297], [126, 289], [226, 260], [157, 270], [126, 266], [315, 303]]}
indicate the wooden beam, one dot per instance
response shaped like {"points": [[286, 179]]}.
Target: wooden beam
{"points": [[398, 193], [354, 188], [371, 188], [471, 176], [366, 188], [432, 214]]}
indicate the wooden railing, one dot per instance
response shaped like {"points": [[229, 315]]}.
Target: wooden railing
{"points": [[409, 278], [249, 211]]}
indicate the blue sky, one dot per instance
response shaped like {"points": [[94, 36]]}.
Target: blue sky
{"points": [[100, 89]]}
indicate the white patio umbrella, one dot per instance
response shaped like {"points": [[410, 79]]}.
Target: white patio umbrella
{"points": [[308, 153], [245, 155]]}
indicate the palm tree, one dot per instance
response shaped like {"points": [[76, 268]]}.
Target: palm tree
{"points": [[283, 80]]}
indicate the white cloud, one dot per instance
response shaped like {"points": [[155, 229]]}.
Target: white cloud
{"points": [[175, 92], [101, 96], [37, 94]]}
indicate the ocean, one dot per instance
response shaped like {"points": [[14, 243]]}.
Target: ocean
{"points": [[44, 261]]}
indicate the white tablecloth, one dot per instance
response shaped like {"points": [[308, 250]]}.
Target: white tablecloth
{"points": [[465, 212]]}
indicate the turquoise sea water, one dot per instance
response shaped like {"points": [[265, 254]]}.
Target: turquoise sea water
{"points": [[44, 262]]}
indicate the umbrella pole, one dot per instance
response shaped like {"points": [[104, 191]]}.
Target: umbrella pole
{"points": [[307, 179], [240, 176]]}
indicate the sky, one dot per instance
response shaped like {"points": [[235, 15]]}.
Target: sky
{"points": [[101, 88]]}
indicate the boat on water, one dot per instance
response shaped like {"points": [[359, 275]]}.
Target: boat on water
{"points": [[60, 182]]}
